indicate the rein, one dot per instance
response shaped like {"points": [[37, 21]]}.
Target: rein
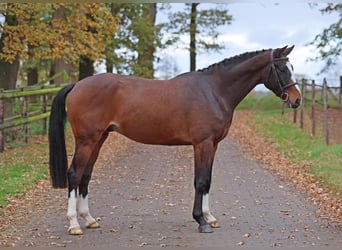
{"points": [[284, 96]]}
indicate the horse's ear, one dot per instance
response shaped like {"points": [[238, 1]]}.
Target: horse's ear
{"points": [[278, 53], [283, 52], [288, 50]]}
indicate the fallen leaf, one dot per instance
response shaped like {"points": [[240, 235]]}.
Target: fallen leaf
{"points": [[241, 243], [247, 235]]}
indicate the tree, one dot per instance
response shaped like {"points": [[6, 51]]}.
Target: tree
{"points": [[60, 64], [193, 31], [201, 25], [8, 69], [329, 42], [132, 49], [145, 31], [52, 39]]}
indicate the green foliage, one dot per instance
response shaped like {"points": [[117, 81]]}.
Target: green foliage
{"points": [[201, 25], [132, 49], [329, 42], [208, 21]]}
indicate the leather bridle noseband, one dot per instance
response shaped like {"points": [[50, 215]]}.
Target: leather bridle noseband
{"points": [[284, 96]]}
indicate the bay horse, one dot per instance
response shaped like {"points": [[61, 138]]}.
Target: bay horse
{"points": [[194, 108]]}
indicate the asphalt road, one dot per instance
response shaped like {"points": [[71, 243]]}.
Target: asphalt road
{"points": [[143, 196]]}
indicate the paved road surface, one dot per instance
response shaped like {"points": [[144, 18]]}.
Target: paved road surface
{"points": [[143, 197]]}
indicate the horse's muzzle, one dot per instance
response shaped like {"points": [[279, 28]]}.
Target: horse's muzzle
{"points": [[294, 104]]}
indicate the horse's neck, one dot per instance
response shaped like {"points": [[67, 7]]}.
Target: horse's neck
{"points": [[237, 82]]}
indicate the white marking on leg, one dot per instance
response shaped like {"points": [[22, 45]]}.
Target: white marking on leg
{"points": [[72, 210], [205, 208], [83, 209]]}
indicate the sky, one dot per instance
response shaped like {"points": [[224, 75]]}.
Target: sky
{"points": [[262, 25]]}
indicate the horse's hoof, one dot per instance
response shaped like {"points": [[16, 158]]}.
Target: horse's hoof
{"points": [[93, 224], [205, 229], [75, 231], [214, 224]]}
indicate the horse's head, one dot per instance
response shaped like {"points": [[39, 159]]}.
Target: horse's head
{"points": [[281, 79]]}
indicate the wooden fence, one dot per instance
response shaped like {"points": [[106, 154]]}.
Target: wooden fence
{"points": [[321, 110], [22, 99]]}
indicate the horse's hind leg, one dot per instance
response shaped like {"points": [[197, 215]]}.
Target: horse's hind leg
{"points": [[204, 156], [83, 207], [85, 155]]}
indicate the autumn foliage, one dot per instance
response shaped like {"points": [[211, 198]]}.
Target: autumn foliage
{"points": [[79, 29]]}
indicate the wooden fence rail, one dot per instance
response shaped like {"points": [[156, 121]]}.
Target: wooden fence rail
{"points": [[23, 96]]}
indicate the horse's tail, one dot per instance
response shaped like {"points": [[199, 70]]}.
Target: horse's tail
{"points": [[58, 156]]}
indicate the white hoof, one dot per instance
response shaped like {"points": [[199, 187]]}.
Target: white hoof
{"points": [[75, 231], [93, 224], [214, 224]]}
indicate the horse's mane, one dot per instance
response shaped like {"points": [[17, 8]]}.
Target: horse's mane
{"points": [[232, 61]]}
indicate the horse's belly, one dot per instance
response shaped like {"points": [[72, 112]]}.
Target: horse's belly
{"points": [[154, 134]]}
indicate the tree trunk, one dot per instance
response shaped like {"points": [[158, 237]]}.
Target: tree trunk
{"points": [[32, 76], [193, 30], [32, 70], [86, 67], [109, 65], [8, 70], [59, 64], [146, 46], [32, 73], [109, 52]]}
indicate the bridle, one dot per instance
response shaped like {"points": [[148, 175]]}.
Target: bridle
{"points": [[284, 96]]}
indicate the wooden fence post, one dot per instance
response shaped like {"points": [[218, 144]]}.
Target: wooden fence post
{"points": [[325, 106], [313, 103], [295, 114], [303, 104], [44, 109], [24, 115]]}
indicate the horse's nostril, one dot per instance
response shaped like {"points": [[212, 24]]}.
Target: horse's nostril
{"points": [[298, 101]]}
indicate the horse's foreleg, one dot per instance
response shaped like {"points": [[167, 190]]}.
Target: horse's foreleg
{"points": [[212, 221], [83, 206], [204, 155]]}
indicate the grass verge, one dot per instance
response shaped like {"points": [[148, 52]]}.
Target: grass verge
{"points": [[22, 165], [326, 161]]}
